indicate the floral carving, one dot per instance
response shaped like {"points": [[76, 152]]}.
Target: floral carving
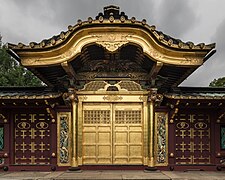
{"points": [[112, 41], [64, 139], [161, 139], [112, 98]]}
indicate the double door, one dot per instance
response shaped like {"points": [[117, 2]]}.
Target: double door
{"points": [[192, 138], [112, 133]]}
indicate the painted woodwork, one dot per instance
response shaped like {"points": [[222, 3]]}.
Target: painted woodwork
{"points": [[32, 139], [192, 140]]}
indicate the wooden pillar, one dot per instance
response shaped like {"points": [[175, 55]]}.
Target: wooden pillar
{"points": [[152, 98], [73, 99], [151, 134]]}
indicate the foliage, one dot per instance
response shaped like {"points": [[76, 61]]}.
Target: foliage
{"points": [[220, 82], [12, 74]]}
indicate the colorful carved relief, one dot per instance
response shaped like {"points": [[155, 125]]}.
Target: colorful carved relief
{"points": [[1, 138], [32, 139], [64, 152], [222, 135], [2, 161], [161, 139]]}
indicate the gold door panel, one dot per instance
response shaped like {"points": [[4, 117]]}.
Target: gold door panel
{"points": [[112, 134], [127, 133], [97, 134]]}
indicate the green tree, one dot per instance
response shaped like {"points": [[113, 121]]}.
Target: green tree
{"points": [[12, 74], [220, 82]]}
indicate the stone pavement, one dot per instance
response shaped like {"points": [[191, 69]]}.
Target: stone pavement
{"points": [[60, 175]]}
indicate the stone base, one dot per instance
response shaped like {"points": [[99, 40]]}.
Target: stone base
{"points": [[151, 169], [75, 169]]}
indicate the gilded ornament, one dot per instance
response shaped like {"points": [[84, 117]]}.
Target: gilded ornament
{"points": [[53, 155], [161, 37], [82, 98], [100, 19], [182, 125], [42, 125], [171, 121], [70, 27], [31, 44], [171, 155], [201, 125], [180, 44], [143, 22], [152, 27], [53, 41], [133, 19], [112, 41], [62, 35], [111, 19], [42, 44], [202, 45], [170, 42], [20, 45], [23, 125], [5, 155], [90, 19], [122, 19], [112, 98], [190, 44]]}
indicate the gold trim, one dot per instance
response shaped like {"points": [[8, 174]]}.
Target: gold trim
{"points": [[80, 134], [151, 135], [145, 132], [111, 38], [74, 135]]}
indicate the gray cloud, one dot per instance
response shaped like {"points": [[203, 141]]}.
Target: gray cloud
{"points": [[40, 19], [214, 68], [176, 17], [27, 20]]}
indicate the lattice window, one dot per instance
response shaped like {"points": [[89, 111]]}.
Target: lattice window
{"points": [[130, 86], [96, 117], [222, 135], [128, 117], [95, 85], [1, 138]]}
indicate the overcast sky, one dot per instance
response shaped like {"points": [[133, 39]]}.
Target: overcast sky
{"points": [[189, 20]]}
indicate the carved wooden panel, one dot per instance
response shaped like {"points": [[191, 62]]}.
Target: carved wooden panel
{"points": [[64, 138], [161, 139], [192, 139], [32, 139], [222, 137]]}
